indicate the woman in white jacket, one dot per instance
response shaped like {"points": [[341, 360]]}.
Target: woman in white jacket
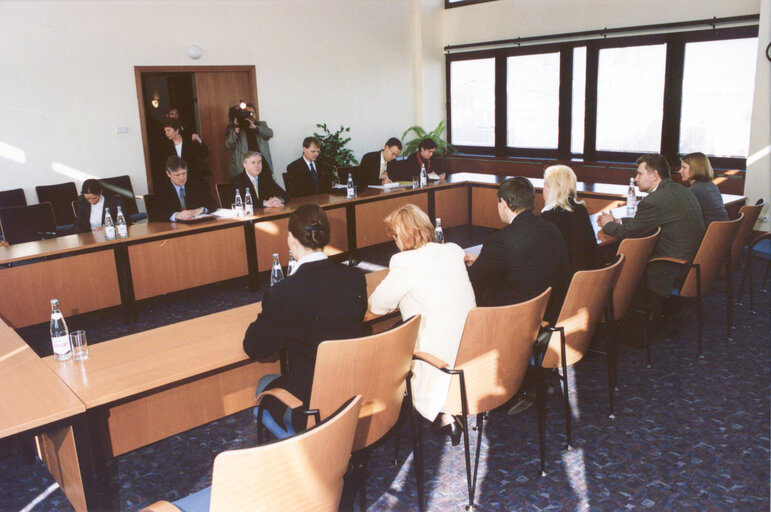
{"points": [[431, 280]]}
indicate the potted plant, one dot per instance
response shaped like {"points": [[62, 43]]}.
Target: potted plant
{"points": [[443, 148], [333, 152]]}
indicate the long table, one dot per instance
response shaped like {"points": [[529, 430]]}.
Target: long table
{"points": [[87, 273]]}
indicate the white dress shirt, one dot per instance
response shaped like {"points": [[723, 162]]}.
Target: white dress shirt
{"points": [[96, 213]]}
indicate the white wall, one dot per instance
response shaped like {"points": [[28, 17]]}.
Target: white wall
{"points": [[68, 75]]}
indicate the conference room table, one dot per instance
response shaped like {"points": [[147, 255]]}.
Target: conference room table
{"points": [[87, 273]]}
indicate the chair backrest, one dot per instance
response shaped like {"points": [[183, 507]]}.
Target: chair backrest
{"points": [[121, 186], [289, 184], [304, 472], [751, 213], [60, 196], [374, 367], [711, 255], [581, 312], [21, 224], [354, 171], [13, 197], [149, 200], [637, 252], [226, 193], [494, 354]]}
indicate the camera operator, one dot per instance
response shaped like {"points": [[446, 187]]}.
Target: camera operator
{"points": [[245, 133]]}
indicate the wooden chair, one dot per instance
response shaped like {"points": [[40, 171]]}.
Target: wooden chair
{"points": [[376, 367], [744, 235], [493, 357], [304, 472], [636, 253], [585, 301], [60, 196], [21, 224], [226, 194], [13, 197], [760, 247], [714, 252], [121, 185]]}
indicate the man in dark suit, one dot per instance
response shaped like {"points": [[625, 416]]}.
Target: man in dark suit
{"points": [[410, 167], [180, 198], [192, 149], [93, 202], [521, 260], [672, 207], [305, 177], [374, 166], [264, 191]]}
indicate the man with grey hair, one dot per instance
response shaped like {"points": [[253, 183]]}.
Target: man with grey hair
{"points": [[265, 192]]}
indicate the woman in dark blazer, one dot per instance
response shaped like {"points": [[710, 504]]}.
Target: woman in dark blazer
{"points": [[696, 170], [90, 207], [321, 300], [567, 212]]}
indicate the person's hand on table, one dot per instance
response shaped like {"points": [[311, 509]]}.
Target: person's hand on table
{"points": [[386, 181], [469, 259], [606, 217], [189, 214], [442, 176], [273, 202]]}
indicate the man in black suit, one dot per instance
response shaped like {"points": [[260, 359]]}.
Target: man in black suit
{"points": [[374, 166], [410, 167], [521, 260], [264, 191], [304, 176], [180, 198], [671, 206], [192, 149]]}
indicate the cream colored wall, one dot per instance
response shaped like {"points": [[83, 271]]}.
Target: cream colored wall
{"points": [[758, 181], [68, 75]]}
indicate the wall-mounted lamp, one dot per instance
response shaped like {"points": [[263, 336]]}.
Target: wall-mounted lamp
{"points": [[194, 52], [155, 102]]}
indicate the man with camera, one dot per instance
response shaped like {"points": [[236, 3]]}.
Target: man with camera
{"points": [[245, 133]]}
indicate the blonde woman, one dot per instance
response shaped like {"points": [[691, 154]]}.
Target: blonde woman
{"points": [[696, 170], [568, 213], [428, 279]]}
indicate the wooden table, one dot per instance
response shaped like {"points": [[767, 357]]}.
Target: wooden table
{"points": [[86, 273]]}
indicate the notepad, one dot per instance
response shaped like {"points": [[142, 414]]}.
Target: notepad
{"points": [[387, 186]]}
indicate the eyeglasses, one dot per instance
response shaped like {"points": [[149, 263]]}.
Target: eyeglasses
{"points": [[178, 174]]}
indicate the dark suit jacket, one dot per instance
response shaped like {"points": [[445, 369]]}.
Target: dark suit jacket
{"points": [[578, 233], [405, 169], [676, 210], [369, 170], [194, 154], [322, 301], [299, 177], [710, 200], [167, 201], [83, 212], [519, 261], [267, 187]]}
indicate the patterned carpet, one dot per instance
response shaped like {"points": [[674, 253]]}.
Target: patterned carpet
{"points": [[689, 434]]}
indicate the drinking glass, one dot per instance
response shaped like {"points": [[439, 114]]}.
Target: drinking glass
{"points": [[79, 345]]}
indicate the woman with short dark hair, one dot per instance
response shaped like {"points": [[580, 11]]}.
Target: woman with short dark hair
{"points": [[90, 207]]}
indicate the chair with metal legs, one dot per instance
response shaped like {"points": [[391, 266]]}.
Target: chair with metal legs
{"points": [[760, 247], [744, 235], [494, 353]]}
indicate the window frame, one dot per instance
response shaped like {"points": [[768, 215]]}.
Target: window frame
{"points": [[461, 3], [671, 104]]}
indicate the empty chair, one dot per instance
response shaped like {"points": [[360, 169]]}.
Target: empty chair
{"points": [[743, 236], [13, 197], [713, 253], [121, 185], [226, 194], [377, 368], [21, 224], [304, 472], [586, 299], [760, 247], [493, 356], [60, 196]]}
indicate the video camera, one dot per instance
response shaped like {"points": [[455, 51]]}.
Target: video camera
{"points": [[239, 115]]}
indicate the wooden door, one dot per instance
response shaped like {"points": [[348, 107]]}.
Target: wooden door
{"points": [[217, 91]]}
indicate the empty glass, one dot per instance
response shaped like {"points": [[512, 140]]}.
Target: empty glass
{"points": [[79, 345]]}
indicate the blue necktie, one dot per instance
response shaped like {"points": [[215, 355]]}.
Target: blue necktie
{"points": [[315, 176], [182, 197]]}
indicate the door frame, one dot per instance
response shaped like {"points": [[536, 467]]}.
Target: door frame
{"points": [[140, 70]]}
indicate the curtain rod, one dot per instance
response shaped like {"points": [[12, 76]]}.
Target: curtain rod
{"points": [[604, 32]]}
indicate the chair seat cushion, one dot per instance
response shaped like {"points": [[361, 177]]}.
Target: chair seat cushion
{"points": [[274, 428], [763, 249], [196, 502]]}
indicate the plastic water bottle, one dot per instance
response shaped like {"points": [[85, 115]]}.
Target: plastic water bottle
{"points": [[60, 337], [438, 233], [423, 176], [292, 264], [631, 199], [350, 193], [248, 205], [276, 274], [109, 227], [239, 204], [121, 224]]}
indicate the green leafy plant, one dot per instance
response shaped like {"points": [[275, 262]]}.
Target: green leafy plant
{"points": [[443, 148], [333, 152]]}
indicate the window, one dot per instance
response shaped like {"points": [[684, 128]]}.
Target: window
{"points": [[718, 82], [579, 96], [630, 93], [472, 89], [532, 99]]}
